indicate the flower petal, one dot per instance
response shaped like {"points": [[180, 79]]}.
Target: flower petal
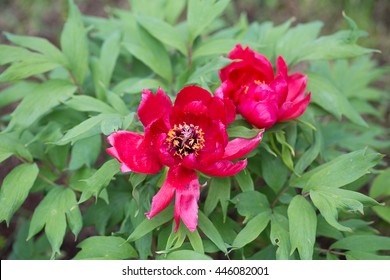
{"points": [[190, 94], [293, 110], [154, 107], [239, 147], [186, 202], [162, 199], [296, 86], [223, 168], [260, 114], [130, 149]]}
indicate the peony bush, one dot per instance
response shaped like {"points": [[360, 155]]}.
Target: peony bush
{"points": [[163, 132]]}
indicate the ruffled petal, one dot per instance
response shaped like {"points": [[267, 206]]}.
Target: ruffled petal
{"points": [[296, 86], [223, 168], [239, 147], [154, 107], [130, 149], [293, 110]]}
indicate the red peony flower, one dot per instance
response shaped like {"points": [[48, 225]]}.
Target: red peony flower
{"points": [[188, 136], [260, 97]]}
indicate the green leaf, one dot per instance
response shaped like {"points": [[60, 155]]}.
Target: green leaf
{"points": [[186, 255], [338, 172], [291, 44], [210, 231], [244, 180], [381, 185], [74, 43], [146, 48], [274, 172], [329, 200], [33, 65], [302, 227], [15, 189], [329, 97], [363, 243], [85, 152], [108, 56], [148, 225], [252, 229], [358, 255], [201, 13], [100, 179], [51, 213], [211, 67], [41, 45], [86, 103], [164, 32], [214, 47], [9, 54], [251, 203], [15, 92], [10, 145], [219, 191], [196, 241], [105, 248], [310, 154], [42, 98], [136, 85], [88, 128], [280, 236]]}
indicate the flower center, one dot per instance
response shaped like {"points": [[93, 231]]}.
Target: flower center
{"points": [[185, 139]]}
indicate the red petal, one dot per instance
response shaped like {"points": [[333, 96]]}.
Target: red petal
{"points": [[186, 202], [293, 110], [260, 114], [154, 107], [162, 199], [190, 94], [239, 147], [129, 148], [296, 86], [223, 168]]}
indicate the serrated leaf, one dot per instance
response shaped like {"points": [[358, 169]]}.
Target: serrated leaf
{"points": [[252, 230], [302, 227], [42, 98], [164, 32], [201, 13], [15, 189], [219, 191], [338, 172], [86, 103], [52, 212], [148, 225], [74, 43], [100, 179], [210, 231], [105, 248], [251, 203]]}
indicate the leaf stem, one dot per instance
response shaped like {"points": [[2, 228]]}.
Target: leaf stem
{"points": [[79, 90], [279, 195], [329, 251]]}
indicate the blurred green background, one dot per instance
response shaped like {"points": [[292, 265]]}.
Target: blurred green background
{"points": [[45, 18]]}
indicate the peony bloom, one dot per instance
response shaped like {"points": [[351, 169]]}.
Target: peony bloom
{"points": [[260, 97], [187, 137]]}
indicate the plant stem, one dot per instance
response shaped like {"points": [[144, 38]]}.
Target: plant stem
{"points": [[75, 82], [279, 195], [329, 251]]}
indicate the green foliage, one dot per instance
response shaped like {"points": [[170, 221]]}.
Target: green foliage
{"points": [[302, 195]]}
